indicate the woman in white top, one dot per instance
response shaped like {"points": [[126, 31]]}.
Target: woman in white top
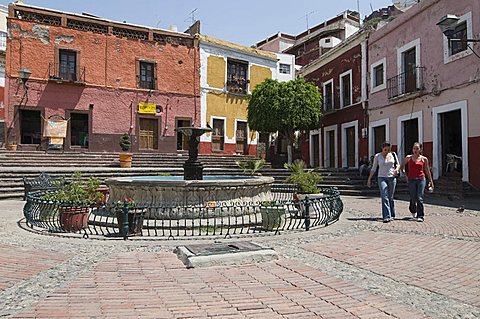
{"points": [[388, 169]]}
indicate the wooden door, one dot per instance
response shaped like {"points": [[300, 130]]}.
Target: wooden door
{"points": [[410, 77], [241, 138], [316, 150], [182, 140], [331, 142], [379, 136], [148, 134], [350, 147]]}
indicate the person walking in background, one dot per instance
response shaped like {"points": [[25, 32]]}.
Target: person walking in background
{"points": [[388, 169], [417, 168]]}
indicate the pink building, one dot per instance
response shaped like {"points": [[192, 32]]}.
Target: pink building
{"points": [[425, 88]]}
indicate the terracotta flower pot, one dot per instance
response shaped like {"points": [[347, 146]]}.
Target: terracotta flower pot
{"points": [[125, 159], [73, 219]]}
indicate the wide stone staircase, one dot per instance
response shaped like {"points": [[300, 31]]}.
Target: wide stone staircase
{"points": [[15, 165]]}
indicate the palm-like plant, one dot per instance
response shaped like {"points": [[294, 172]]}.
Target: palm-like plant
{"points": [[305, 179], [251, 166]]}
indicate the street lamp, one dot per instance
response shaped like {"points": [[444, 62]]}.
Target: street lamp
{"points": [[448, 24], [23, 75]]}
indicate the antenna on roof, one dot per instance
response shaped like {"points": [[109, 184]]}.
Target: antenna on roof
{"points": [[306, 17], [359, 15], [192, 16]]}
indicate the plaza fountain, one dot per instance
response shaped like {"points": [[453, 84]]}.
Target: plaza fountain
{"points": [[193, 189]]}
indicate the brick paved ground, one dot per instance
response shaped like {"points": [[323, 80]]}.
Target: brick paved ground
{"points": [[146, 285], [17, 263], [356, 268]]}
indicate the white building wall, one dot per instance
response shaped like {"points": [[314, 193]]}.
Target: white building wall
{"points": [[288, 59]]}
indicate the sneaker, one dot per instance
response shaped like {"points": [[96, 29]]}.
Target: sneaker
{"points": [[387, 220], [419, 219], [414, 215]]}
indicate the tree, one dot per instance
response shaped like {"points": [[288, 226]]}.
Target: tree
{"points": [[285, 107]]}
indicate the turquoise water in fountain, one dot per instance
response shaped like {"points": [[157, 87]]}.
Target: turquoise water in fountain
{"points": [[180, 178]]}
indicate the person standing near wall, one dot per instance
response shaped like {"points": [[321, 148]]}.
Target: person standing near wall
{"points": [[388, 169], [417, 169]]}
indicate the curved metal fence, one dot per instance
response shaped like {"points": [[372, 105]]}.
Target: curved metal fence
{"points": [[285, 212]]}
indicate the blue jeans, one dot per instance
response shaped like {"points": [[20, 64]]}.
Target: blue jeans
{"points": [[416, 187], [387, 189]]}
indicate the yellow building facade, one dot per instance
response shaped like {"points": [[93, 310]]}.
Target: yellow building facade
{"points": [[228, 74]]}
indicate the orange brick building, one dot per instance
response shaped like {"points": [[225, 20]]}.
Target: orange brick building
{"points": [[106, 78]]}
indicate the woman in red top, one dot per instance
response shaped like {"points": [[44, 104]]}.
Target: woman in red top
{"points": [[418, 167]]}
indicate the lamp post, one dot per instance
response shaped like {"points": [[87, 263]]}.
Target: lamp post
{"points": [[24, 75], [448, 24]]}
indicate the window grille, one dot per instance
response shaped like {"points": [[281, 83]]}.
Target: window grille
{"points": [[37, 17], [87, 26], [129, 33]]}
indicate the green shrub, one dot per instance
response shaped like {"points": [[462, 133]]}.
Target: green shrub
{"points": [[125, 142], [78, 191], [305, 179]]}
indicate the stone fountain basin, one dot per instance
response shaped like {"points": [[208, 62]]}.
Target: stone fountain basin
{"points": [[174, 191]]}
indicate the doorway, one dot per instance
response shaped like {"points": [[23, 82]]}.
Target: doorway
{"points": [[350, 146], [182, 141], [410, 136], [379, 136], [148, 134], [79, 129], [30, 127], [451, 142], [316, 150], [330, 148], [218, 135], [241, 138], [409, 71]]}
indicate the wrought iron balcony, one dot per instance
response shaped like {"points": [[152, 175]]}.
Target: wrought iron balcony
{"points": [[60, 73], [405, 83]]}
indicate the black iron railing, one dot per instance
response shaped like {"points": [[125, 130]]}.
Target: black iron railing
{"points": [[284, 213], [404, 83], [58, 72]]}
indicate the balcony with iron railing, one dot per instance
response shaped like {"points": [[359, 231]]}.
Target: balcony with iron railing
{"points": [[405, 83], [3, 41], [60, 73]]}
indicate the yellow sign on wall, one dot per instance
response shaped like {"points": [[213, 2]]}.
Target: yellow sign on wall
{"points": [[147, 108]]}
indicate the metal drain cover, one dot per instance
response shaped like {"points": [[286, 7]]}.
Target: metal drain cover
{"points": [[221, 254]]}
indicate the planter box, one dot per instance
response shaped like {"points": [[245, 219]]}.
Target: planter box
{"points": [[135, 222], [273, 217]]}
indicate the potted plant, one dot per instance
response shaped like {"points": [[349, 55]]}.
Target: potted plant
{"points": [[135, 216], [125, 157], [273, 215], [75, 199], [305, 179], [251, 167]]}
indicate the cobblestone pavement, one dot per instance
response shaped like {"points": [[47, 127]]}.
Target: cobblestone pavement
{"points": [[355, 268]]}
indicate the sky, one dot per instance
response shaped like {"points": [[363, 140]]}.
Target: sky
{"points": [[243, 21]]}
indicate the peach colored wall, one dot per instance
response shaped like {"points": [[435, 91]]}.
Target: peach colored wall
{"points": [[109, 60], [110, 79]]}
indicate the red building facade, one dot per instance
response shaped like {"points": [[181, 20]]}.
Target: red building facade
{"points": [[340, 74], [105, 78]]}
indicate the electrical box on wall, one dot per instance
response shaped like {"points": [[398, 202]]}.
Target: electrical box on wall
{"points": [[364, 132]]}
